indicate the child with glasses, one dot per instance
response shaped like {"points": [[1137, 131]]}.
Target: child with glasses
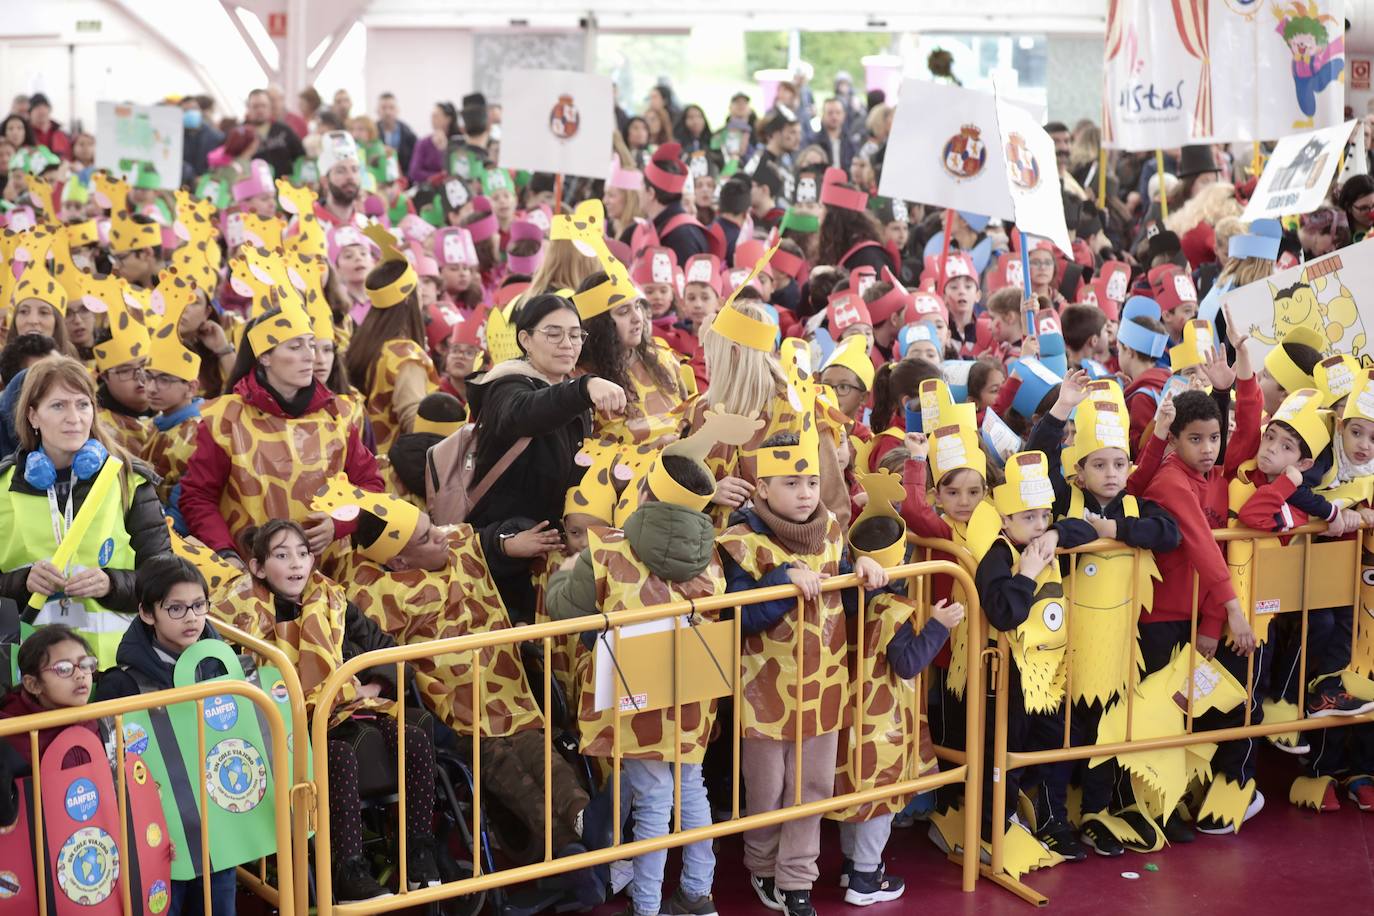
{"points": [[56, 666]]}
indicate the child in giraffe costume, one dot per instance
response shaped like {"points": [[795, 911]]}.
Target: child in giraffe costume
{"points": [[173, 383]]}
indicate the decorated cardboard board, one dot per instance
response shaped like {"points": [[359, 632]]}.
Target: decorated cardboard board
{"points": [[634, 670], [1331, 295], [1298, 173], [18, 884], [557, 121], [144, 138]]}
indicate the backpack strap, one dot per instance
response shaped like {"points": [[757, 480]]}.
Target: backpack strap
{"points": [[500, 467]]}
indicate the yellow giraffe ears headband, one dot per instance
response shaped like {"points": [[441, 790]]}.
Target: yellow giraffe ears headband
{"points": [[342, 501], [395, 292], [743, 329], [719, 427], [885, 492]]}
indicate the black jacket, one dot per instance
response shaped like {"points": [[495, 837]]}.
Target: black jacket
{"points": [[685, 241], [144, 521], [405, 143], [280, 149], [195, 148], [142, 660]]}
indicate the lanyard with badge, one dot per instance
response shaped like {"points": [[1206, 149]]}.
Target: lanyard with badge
{"points": [[61, 525]]}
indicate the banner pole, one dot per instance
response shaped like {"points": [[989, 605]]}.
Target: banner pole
{"points": [[1257, 161], [944, 249], [1101, 178], [1163, 191], [1028, 303], [557, 193]]}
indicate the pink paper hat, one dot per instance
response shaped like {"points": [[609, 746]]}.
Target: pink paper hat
{"points": [[340, 237], [654, 265], [704, 268], [485, 227], [454, 246], [623, 178], [523, 230], [259, 181]]}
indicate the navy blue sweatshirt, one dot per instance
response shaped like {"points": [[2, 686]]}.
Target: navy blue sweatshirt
{"points": [[1007, 597]]}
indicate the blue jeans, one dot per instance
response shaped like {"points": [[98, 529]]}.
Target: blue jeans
{"points": [[650, 784], [187, 895]]}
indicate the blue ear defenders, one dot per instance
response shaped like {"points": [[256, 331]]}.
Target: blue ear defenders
{"points": [[40, 474]]}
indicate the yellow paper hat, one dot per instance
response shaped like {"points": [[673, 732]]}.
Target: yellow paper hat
{"points": [[40, 192], [110, 192], [585, 227], [217, 572], [278, 325], [745, 330], [1334, 377], [885, 493], [128, 337], [128, 235], [1098, 423], [1281, 366], [342, 501], [938, 407], [264, 232], [500, 334], [1302, 411], [36, 282], [717, 427], [1028, 484], [86, 232], [395, 292], [804, 457], [63, 267], [1359, 404], [606, 295], [852, 354], [307, 230], [596, 493], [1199, 341], [311, 272], [166, 352], [261, 275], [954, 448]]}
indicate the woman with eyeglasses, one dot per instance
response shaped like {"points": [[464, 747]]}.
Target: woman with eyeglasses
{"points": [[1042, 270], [1357, 200], [49, 482], [618, 348], [532, 414]]}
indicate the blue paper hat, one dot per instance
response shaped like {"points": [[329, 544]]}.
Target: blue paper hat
{"points": [[1138, 338], [955, 372], [976, 221], [1140, 306], [1053, 353], [772, 312], [822, 345], [1262, 241], [913, 417], [1036, 382], [1210, 306], [998, 438], [1095, 369], [913, 332]]}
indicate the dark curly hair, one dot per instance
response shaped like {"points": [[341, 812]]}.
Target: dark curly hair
{"points": [[842, 229], [602, 354]]}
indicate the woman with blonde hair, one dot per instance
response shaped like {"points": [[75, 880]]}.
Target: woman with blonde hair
{"points": [[563, 267], [63, 452]]}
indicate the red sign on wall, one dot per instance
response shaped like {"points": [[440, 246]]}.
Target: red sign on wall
{"points": [[1359, 74], [276, 28]]}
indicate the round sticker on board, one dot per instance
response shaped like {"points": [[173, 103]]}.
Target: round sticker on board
{"points": [[279, 691], [221, 712], [236, 775], [965, 153], [158, 897], [1022, 167], [564, 119], [87, 866], [82, 799], [153, 835], [135, 739], [140, 772], [106, 552], [9, 885]]}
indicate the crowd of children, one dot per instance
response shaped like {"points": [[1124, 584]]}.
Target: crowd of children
{"points": [[378, 414]]}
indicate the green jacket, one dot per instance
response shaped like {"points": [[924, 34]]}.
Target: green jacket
{"points": [[674, 542]]}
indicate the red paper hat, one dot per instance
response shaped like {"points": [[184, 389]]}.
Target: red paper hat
{"points": [[1117, 279], [654, 265], [1095, 293], [1170, 286], [704, 268], [891, 302], [784, 262], [485, 227], [468, 332], [508, 291], [861, 278], [1083, 253], [441, 320], [924, 305], [748, 253], [957, 264], [1006, 273], [846, 308], [521, 231], [835, 191], [661, 178]]}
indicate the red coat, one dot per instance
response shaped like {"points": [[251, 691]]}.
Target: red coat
{"points": [[1142, 408]]}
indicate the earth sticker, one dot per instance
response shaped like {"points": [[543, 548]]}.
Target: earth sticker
{"points": [[87, 866], [236, 775]]}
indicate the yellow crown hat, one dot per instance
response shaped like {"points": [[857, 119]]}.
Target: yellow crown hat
{"points": [[885, 492], [718, 427], [128, 336], [1098, 423], [395, 292], [955, 448], [1028, 484], [609, 293], [1199, 340], [746, 330], [166, 353], [1280, 365], [128, 235], [1359, 404], [342, 501], [596, 493], [852, 354], [36, 282], [938, 407], [1302, 411], [500, 334], [1334, 377], [802, 459]]}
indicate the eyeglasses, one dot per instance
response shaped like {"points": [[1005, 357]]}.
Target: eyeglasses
{"points": [[178, 611], [161, 378], [1041, 263], [65, 668], [127, 373], [557, 335], [845, 389]]}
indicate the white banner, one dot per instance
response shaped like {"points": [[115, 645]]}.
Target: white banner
{"points": [[557, 121], [1298, 173], [1330, 295], [966, 150], [1195, 71], [139, 138]]}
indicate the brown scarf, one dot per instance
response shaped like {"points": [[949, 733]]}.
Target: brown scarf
{"points": [[806, 537]]}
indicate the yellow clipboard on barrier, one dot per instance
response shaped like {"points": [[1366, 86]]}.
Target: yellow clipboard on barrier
{"points": [[634, 666]]}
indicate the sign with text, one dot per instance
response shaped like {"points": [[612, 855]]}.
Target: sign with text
{"points": [[1298, 173]]}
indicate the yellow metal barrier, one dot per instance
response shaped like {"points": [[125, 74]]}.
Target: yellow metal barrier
{"points": [[197, 693], [1299, 594], [968, 768]]}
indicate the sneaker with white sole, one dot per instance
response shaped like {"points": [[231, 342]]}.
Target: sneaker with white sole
{"points": [[354, 883], [767, 892], [1216, 828], [868, 888]]}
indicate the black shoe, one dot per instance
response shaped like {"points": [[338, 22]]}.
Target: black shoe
{"points": [[1058, 837], [1330, 698], [867, 888], [1177, 830], [422, 866], [681, 904], [450, 869], [767, 892], [1098, 837], [1145, 828], [797, 903], [353, 882]]}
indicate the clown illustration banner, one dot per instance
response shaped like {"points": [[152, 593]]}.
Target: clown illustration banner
{"points": [[140, 143], [976, 153], [1332, 296], [1298, 173], [1194, 71], [557, 121]]}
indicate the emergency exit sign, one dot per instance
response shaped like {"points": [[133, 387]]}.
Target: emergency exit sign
{"points": [[276, 25]]}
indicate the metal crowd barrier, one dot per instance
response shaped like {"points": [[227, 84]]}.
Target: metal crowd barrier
{"points": [[966, 768]]}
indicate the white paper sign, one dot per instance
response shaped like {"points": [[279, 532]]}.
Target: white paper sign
{"points": [[128, 134], [1298, 173], [557, 121]]}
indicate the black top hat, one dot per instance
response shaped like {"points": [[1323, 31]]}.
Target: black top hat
{"points": [[1196, 160]]}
